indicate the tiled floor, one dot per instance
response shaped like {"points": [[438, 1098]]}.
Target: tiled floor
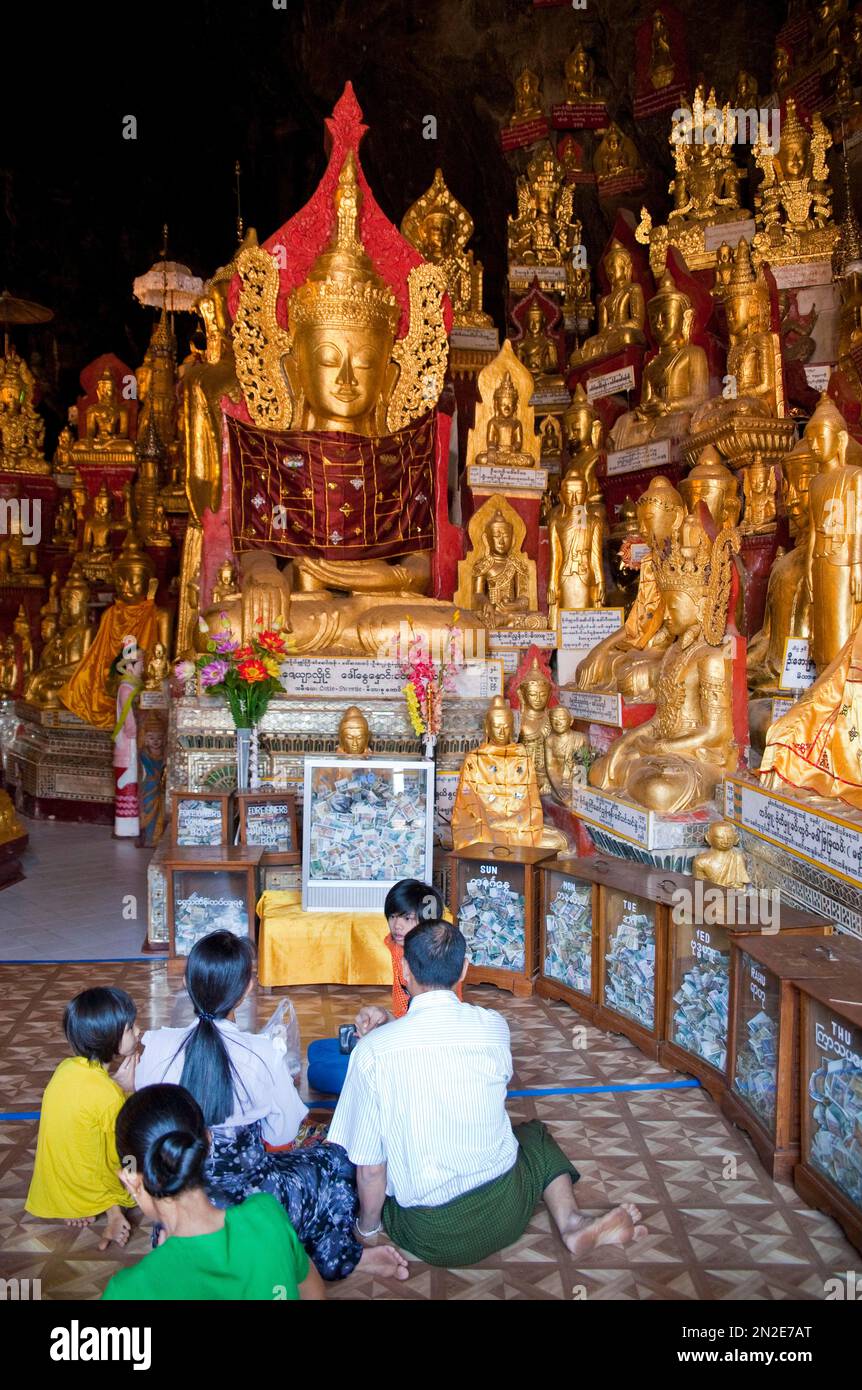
{"points": [[718, 1228]]}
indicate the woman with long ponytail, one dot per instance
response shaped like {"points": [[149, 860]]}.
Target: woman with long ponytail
{"points": [[248, 1099]]}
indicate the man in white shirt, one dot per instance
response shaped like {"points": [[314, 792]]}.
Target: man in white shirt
{"points": [[422, 1116]]}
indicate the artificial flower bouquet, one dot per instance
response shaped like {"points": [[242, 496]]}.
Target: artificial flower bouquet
{"points": [[247, 675], [426, 679]]}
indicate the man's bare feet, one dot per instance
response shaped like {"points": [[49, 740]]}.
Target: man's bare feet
{"points": [[617, 1227], [384, 1260], [80, 1221], [117, 1229]]}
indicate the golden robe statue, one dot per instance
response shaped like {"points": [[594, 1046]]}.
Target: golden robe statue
{"points": [[497, 800]]}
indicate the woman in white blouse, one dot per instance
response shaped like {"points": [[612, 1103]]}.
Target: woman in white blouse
{"points": [[247, 1094]]}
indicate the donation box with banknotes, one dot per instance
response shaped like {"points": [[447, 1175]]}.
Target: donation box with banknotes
{"points": [[495, 903], [568, 945]]}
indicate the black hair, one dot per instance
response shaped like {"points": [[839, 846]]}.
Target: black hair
{"points": [[435, 952], [218, 971], [96, 1019], [161, 1129], [411, 895]]}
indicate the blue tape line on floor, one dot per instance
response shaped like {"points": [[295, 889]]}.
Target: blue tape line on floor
{"points": [[20, 1115], [86, 960]]}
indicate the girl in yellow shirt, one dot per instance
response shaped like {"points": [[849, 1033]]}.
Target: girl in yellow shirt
{"points": [[75, 1176]]}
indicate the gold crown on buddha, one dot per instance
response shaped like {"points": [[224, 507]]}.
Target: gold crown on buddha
{"points": [[544, 169], [703, 571], [343, 288], [792, 128], [506, 388]]}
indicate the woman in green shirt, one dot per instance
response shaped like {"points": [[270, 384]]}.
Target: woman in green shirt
{"points": [[250, 1251]]}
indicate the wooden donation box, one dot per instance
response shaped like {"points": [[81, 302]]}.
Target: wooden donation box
{"points": [[203, 819], [568, 946], [702, 930], [268, 819], [210, 890], [762, 1095], [494, 900], [829, 1174]]}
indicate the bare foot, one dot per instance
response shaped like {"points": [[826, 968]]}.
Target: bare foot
{"points": [[117, 1229], [384, 1260], [617, 1227], [80, 1221]]}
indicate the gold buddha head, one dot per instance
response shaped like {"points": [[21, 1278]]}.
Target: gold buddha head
{"points": [[499, 534], [535, 320], [342, 324], [617, 263], [581, 422], [798, 468], [106, 388], [74, 598], [695, 580], [712, 482], [48, 626], [506, 397], [671, 314], [722, 835], [573, 489], [826, 432], [534, 688], [560, 718], [438, 236], [102, 501], [746, 296], [133, 570], [499, 723], [794, 146], [353, 733]]}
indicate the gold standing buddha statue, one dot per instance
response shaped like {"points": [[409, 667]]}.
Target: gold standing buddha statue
{"points": [[674, 762], [21, 631], [621, 312], [759, 488], [534, 694], [834, 568], [564, 749], [585, 438], [106, 427], [793, 206], [675, 378], [788, 602], [576, 535], [497, 798], [22, 429], [440, 227], [62, 654]]}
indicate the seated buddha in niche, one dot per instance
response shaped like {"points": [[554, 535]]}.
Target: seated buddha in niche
{"points": [[538, 351], [754, 357], [504, 442], [107, 421], [621, 312], [675, 378]]}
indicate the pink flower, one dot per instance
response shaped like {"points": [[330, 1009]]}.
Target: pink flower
{"points": [[213, 673], [225, 642], [184, 670]]}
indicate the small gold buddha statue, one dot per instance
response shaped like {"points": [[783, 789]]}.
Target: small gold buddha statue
{"points": [[534, 693], [580, 73], [65, 524], [661, 63], [497, 798], [584, 433], [18, 560], [22, 429], [354, 736], [11, 828], [106, 427], [504, 440], [576, 535], [528, 99], [21, 631], [538, 351], [834, 568], [616, 154], [723, 270], [788, 602], [793, 207], [675, 378], [501, 577], [61, 655], [745, 95], [563, 745], [159, 532], [712, 482], [63, 452], [675, 761], [225, 586], [551, 437], [621, 312], [96, 554], [722, 863], [10, 671], [158, 668], [759, 488], [263, 600], [545, 230], [440, 227]]}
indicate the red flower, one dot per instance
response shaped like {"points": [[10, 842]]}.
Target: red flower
{"points": [[252, 671], [272, 642], [243, 653]]}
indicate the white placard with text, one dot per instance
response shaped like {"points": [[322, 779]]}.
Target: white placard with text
{"points": [[382, 680], [507, 479], [798, 670], [611, 383], [583, 628], [654, 455]]}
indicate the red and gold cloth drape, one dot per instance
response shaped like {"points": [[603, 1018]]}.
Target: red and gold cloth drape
{"points": [[333, 496]]}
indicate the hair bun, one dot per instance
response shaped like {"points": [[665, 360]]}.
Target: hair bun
{"points": [[173, 1162]]}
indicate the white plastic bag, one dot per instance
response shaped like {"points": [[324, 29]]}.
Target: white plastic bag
{"points": [[283, 1029]]}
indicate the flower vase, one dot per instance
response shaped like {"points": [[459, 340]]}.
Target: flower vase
{"points": [[254, 759], [243, 758]]}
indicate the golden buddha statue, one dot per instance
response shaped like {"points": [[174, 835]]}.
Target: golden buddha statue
{"points": [[712, 482], [545, 230], [528, 99], [63, 451], [616, 154], [576, 535], [754, 354], [157, 383], [534, 692], [723, 271], [133, 616], [722, 863], [80, 496], [584, 433], [563, 744], [661, 62], [621, 312], [106, 427], [538, 351], [504, 433], [501, 579], [22, 429], [675, 761], [788, 602], [440, 227], [11, 828], [758, 487], [18, 560], [745, 95], [580, 71], [62, 654], [793, 207], [834, 568], [353, 734], [225, 586], [65, 523], [10, 672], [551, 436], [158, 668], [96, 554], [21, 631], [262, 601], [158, 534], [675, 378], [497, 798], [628, 661]]}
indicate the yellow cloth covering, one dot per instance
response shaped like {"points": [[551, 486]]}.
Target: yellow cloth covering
{"points": [[319, 948], [85, 692], [75, 1173]]}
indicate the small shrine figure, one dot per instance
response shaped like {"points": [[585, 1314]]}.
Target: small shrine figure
{"points": [[158, 668], [10, 671], [440, 227], [11, 828], [575, 535], [70, 643], [127, 671], [580, 73], [504, 434], [551, 437], [616, 155], [759, 487], [564, 750], [533, 694], [106, 428], [621, 312], [65, 523], [723, 270], [537, 350], [661, 63], [545, 230], [793, 207], [159, 533], [63, 452], [745, 95], [528, 98], [97, 557], [354, 735], [585, 438], [18, 560], [501, 577], [780, 69], [722, 863], [226, 586], [497, 798], [21, 631], [22, 429]]}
